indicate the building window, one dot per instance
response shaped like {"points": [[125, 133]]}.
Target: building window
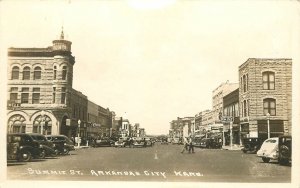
{"points": [[13, 94], [37, 73], [270, 106], [42, 125], [53, 95], [54, 73], [25, 95], [36, 96], [245, 108], [244, 83], [15, 73], [17, 124], [63, 95], [64, 73], [268, 80], [26, 73]]}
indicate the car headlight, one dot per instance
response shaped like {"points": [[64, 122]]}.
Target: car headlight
{"points": [[40, 146], [65, 144]]}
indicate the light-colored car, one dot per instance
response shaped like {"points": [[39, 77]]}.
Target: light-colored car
{"points": [[138, 142], [269, 150], [121, 142]]}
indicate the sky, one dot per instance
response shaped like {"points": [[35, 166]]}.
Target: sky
{"points": [[154, 61]]}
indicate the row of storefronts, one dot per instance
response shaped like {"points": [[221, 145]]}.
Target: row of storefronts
{"points": [[260, 105]]}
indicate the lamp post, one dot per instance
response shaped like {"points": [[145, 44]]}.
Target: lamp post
{"points": [[231, 122], [78, 139], [42, 121], [268, 121]]}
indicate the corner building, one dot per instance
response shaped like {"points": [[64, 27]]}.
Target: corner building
{"points": [[265, 94], [40, 94]]}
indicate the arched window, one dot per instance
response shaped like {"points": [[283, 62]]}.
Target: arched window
{"points": [[64, 73], [16, 124], [268, 80], [54, 73], [42, 123], [270, 106], [15, 73], [26, 73], [37, 73]]}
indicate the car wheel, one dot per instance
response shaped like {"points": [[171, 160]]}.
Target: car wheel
{"points": [[42, 154], [283, 161], [266, 160], [25, 156], [66, 151], [284, 151]]}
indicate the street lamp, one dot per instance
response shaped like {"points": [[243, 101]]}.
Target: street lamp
{"points": [[42, 121], [268, 121], [78, 140]]}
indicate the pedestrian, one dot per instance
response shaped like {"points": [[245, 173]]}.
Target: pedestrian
{"points": [[191, 146], [185, 145]]}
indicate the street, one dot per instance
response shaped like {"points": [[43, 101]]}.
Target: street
{"points": [[157, 163]]}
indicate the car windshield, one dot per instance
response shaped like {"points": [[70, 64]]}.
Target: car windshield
{"points": [[271, 141], [39, 138]]}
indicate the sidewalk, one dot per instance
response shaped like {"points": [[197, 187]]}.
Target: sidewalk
{"points": [[234, 147], [81, 147]]}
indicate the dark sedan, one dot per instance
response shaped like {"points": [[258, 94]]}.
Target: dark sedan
{"points": [[103, 142], [63, 145], [47, 147]]}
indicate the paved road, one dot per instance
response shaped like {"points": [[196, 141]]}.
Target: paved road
{"points": [[157, 163]]}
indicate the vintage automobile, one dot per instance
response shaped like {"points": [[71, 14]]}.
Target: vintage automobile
{"points": [[148, 141], [210, 143], [176, 140], [22, 147], [138, 142], [103, 142], [121, 142], [284, 149], [164, 140], [197, 142], [269, 150], [47, 147], [251, 145], [63, 145]]}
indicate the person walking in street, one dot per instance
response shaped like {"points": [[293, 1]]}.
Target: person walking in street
{"points": [[191, 146], [185, 145]]}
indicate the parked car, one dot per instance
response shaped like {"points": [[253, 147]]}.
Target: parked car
{"points": [[269, 150], [138, 142], [210, 143], [284, 149], [47, 147], [63, 145], [164, 141], [121, 142], [175, 140], [148, 141], [197, 142], [251, 144], [22, 147], [103, 142]]}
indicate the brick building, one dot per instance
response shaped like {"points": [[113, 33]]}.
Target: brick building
{"points": [[40, 94], [265, 95], [231, 110]]}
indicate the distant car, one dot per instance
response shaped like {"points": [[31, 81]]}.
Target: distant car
{"points": [[63, 145], [284, 149], [251, 145], [197, 142], [138, 142], [47, 147], [103, 142], [22, 147], [269, 150], [210, 143], [148, 141], [121, 142], [164, 141], [175, 140]]}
